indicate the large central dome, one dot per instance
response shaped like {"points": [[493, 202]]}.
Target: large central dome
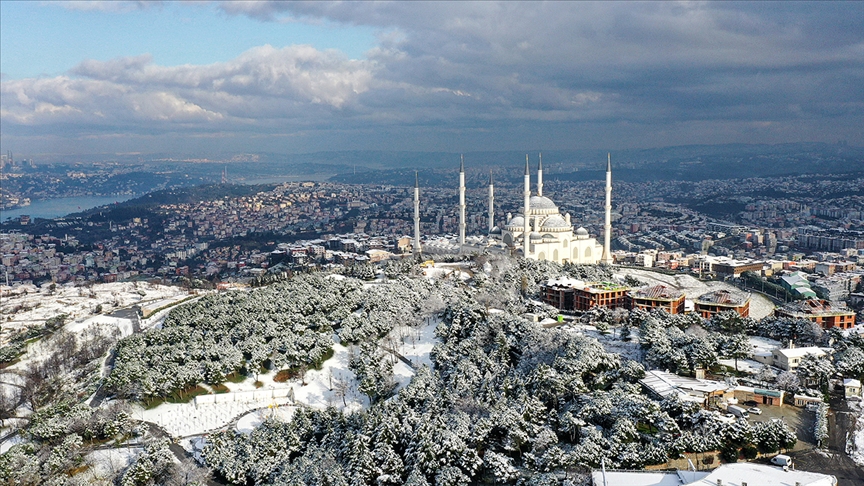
{"points": [[542, 205], [541, 202]]}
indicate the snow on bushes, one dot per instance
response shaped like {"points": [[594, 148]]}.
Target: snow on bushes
{"points": [[290, 324]]}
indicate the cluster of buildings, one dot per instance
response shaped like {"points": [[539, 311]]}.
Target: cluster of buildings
{"points": [[26, 257], [570, 295]]}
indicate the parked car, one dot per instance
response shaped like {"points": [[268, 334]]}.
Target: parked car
{"points": [[751, 403], [754, 411], [782, 460]]}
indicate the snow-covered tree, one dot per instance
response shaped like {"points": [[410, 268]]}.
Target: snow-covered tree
{"points": [[820, 427], [815, 370], [773, 435]]}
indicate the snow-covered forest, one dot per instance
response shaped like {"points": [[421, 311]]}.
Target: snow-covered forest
{"points": [[499, 398]]}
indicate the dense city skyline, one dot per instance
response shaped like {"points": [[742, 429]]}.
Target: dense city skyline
{"points": [[104, 77]]}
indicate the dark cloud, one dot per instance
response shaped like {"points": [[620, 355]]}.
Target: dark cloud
{"points": [[484, 75]]}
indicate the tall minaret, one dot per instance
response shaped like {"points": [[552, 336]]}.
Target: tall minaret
{"points": [[491, 203], [607, 227], [526, 234], [540, 176], [416, 214], [462, 203]]}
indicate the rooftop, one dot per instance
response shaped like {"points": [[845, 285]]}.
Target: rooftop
{"points": [[723, 297], [665, 384], [657, 292], [801, 352], [727, 474], [815, 307], [604, 286]]}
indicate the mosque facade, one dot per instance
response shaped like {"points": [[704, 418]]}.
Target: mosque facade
{"points": [[539, 232]]}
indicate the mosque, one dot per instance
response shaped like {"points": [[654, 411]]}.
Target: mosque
{"points": [[539, 232]]}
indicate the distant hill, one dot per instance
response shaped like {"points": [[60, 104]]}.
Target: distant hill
{"points": [[691, 162]]}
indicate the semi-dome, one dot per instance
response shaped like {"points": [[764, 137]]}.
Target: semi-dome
{"points": [[516, 222], [555, 222], [581, 232]]}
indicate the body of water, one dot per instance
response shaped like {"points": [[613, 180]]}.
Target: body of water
{"points": [[55, 208]]}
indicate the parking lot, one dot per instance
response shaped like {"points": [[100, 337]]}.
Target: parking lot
{"points": [[801, 421]]}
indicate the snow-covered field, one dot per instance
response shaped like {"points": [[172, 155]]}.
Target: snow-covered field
{"points": [[445, 270], [320, 391], [186, 419], [418, 343], [744, 365], [105, 463], [28, 305], [760, 306]]}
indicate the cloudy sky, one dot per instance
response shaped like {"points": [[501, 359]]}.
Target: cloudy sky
{"points": [[255, 76]]}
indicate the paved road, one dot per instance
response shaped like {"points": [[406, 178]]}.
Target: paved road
{"points": [[130, 313], [834, 461], [180, 453]]}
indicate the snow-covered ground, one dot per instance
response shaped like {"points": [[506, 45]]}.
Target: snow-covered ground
{"points": [[248, 422], [764, 345], [106, 463], [744, 365], [28, 305], [444, 270], [11, 441], [196, 418], [417, 343], [187, 419], [760, 306]]}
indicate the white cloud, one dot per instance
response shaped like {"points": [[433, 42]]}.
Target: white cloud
{"points": [[262, 83], [488, 67], [118, 6]]}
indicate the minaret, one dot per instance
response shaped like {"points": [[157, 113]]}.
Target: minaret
{"points": [[491, 203], [526, 234], [461, 202], [607, 227], [416, 214], [540, 176]]}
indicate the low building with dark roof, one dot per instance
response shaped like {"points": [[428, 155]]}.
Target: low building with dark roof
{"points": [[711, 303], [826, 314], [657, 297]]}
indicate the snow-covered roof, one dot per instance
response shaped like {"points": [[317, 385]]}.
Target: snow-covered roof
{"points": [[851, 382], [565, 282], [737, 473], [801, 352], [666, 384], [636, 478], [727, 474]]}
